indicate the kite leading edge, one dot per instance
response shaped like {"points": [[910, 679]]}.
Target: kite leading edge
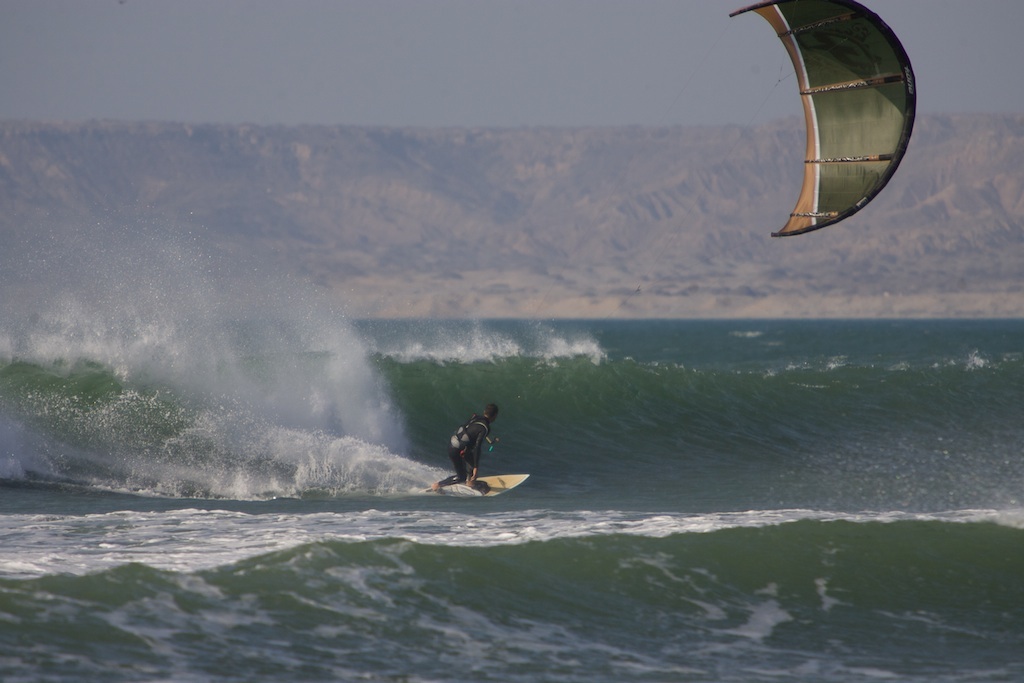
{"points": [[857, 89]]}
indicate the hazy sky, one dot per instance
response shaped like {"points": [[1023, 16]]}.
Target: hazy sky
{"points": [[463, 62]]}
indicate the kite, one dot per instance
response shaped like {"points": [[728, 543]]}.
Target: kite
{"points": [[857, 89]]}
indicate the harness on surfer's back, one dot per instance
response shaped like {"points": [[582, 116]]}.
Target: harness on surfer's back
{"points": [[460, 439]]}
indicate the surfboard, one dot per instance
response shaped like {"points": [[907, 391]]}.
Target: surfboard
{"points": [[499, 483]]}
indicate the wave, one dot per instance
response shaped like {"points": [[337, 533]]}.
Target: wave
{"points": [[821, 433], [134, 533], [145, 367], [805, 599], [283, 410], [138, 369], [80, 423]]}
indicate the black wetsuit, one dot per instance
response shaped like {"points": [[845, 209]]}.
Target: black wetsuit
{"points": [[464, 448]]}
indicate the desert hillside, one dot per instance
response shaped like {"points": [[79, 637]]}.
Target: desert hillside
{"points": [[590, 222]]}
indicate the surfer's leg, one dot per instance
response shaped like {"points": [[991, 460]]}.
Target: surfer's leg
{"points": [[460, 470], [454, 479], [459, 463]]}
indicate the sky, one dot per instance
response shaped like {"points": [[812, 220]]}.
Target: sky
{"points": [[478, 63]]}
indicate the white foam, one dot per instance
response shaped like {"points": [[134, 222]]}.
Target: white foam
{"points": [[976, 361], [764, 617], [193, 539], [457, 342]]}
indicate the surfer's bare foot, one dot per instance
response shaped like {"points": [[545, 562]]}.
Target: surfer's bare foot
{"points": [[435, 486]]}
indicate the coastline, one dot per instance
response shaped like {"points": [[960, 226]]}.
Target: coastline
{"points": [[502, 295]]}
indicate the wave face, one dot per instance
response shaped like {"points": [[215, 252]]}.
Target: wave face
{"points": [[719, 415]]}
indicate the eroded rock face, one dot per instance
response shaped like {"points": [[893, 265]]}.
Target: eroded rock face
{"points": [[545, 222]]}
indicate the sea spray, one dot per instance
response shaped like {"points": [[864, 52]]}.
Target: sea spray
{"points": [[154, 367]]}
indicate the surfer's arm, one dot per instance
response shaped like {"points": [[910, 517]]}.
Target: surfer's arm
{"points": [[473, 458]]}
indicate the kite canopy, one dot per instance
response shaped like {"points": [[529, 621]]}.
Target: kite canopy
{"points": [[857, 89]]}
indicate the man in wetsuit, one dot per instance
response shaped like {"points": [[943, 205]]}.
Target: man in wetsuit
{"points": [[464, 449]]}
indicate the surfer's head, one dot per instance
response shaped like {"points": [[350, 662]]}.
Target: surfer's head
{"points": [[491, 412]]}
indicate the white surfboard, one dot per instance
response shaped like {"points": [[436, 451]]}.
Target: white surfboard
{"points": [[499, 483]]}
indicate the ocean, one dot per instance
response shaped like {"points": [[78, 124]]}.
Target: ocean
{"points": [[199, 493]]}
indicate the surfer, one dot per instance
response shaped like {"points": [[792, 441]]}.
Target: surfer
{"points": [[464, 449]]}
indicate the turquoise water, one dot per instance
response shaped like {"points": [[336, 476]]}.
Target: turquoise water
{"points": [[214, 497]]}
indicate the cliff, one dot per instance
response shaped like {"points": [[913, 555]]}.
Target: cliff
{"points": [[598, 222]]}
